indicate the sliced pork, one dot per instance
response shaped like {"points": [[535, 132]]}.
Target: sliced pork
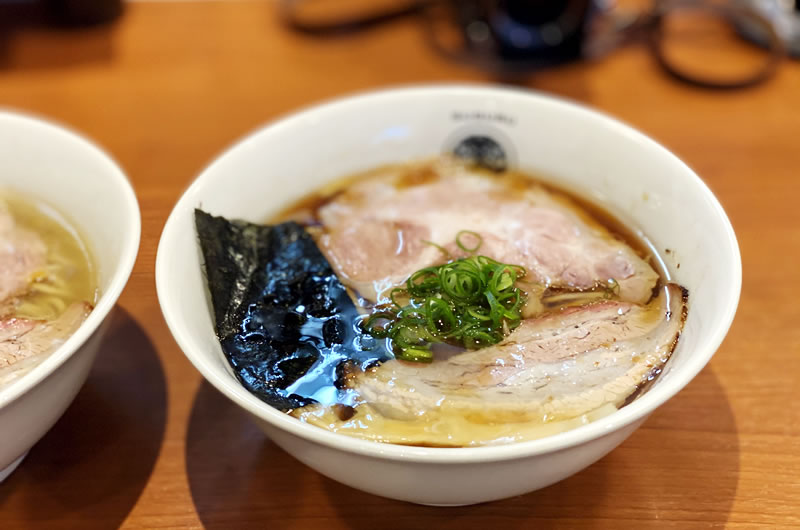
{"points": [[562, 367], [24, 343], [377, 232]]}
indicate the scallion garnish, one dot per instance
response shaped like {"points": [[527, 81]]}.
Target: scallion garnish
{"points": [[462, 243], [471, 302]]}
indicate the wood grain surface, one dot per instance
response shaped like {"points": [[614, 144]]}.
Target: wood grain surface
{"points": [[147, 444]]}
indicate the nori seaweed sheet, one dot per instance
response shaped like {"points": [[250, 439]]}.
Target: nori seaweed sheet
{"points": [[282, 316]]}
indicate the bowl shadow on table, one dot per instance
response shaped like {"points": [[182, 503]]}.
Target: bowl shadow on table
{"points": [[685, 476], [54, 45], [89, 470]]}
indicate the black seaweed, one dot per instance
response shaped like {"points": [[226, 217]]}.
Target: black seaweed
{"points": [[282, 316]]}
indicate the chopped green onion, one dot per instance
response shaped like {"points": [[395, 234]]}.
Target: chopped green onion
{"points": [[416, 355], [440, 248], [470, 302], [474, 235], [601, 291]]}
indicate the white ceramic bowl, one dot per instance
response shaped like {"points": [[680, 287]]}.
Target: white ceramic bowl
{"points": [[74, 176], [607, 161]]}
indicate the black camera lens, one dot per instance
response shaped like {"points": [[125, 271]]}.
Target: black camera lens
{"points": [[532, 12], [550, 31]]}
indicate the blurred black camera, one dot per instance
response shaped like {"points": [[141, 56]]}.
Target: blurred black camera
{"points": [[523, 34], [86, 12], [498, 34]]}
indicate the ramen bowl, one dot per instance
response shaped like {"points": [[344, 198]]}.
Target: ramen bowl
{"points": [[63, 170], [576, 148]]}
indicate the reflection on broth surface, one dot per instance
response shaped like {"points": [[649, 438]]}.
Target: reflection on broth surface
{"points": [[47, 283], [482, 307]]}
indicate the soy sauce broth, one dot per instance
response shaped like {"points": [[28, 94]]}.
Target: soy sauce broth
{"points": [[306, 211]]}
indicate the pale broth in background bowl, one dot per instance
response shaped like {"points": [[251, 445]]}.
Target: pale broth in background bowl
{"points": [[71, 226]]}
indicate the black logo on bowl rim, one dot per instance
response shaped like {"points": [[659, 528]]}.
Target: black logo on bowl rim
{"points": [[483, 146]]}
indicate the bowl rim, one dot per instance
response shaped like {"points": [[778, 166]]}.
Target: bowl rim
{"points": [[636, 411], [119, 276]]}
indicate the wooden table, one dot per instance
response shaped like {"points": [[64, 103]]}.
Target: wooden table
{"points": [[148, 444]]}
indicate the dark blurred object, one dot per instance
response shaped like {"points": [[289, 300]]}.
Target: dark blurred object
{"points": [[70, 13], [83, 12], [784, 16], [696, 41], [504, 35], [515, 35], [56, 42]]}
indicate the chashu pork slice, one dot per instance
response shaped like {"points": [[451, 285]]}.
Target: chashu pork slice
{"points": [[555, 367], [24, 343], [22, 253], [552, 373], [377, 232]]}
